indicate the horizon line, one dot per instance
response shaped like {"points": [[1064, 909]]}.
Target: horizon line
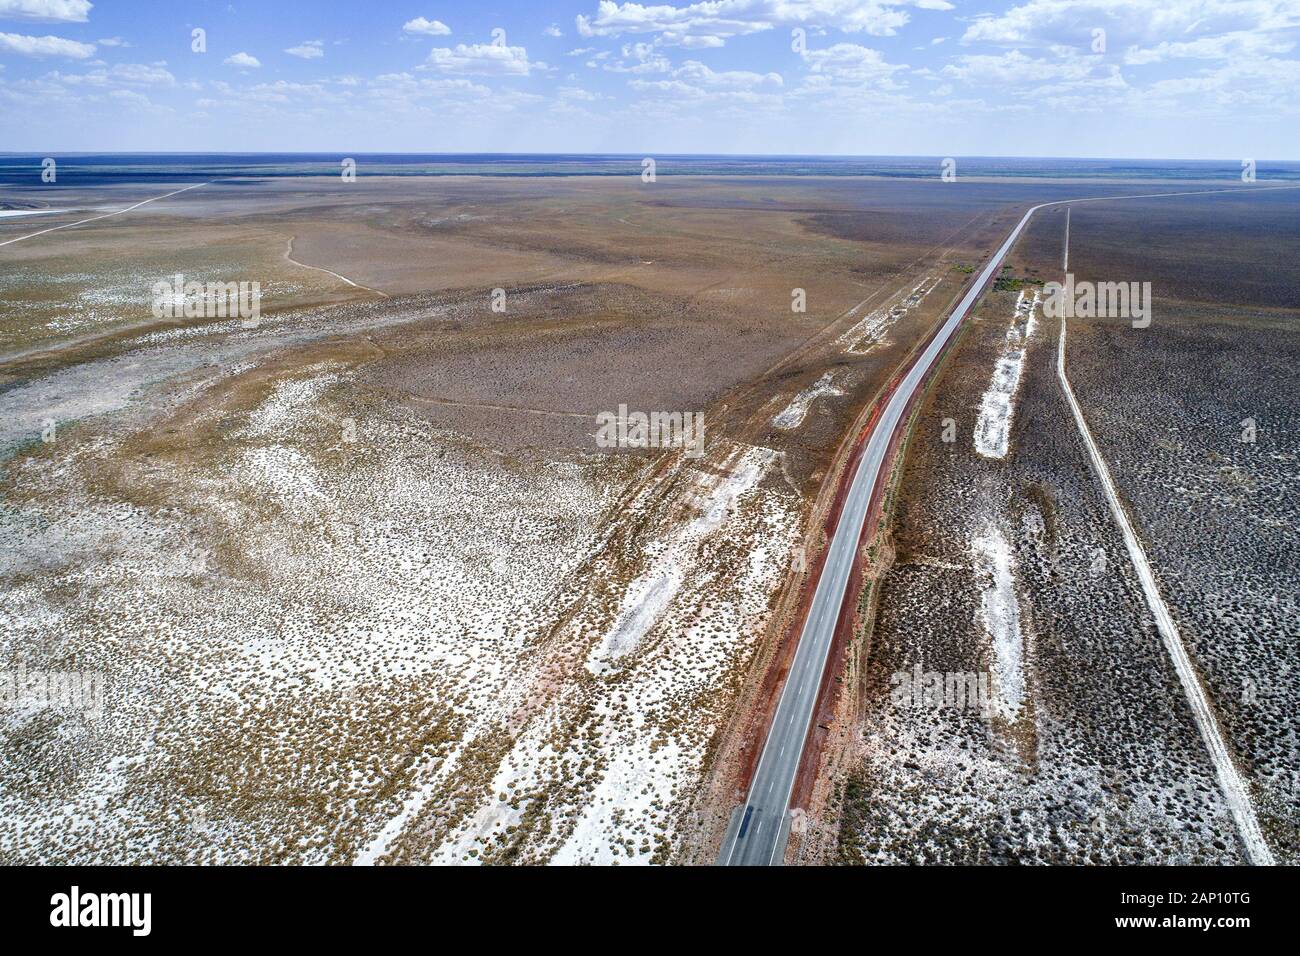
{"points": [[631, 155]]}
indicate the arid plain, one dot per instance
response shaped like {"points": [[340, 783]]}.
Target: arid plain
{"points": [[1006, 561], [365, 587]]}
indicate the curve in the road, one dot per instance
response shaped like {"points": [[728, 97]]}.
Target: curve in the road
{"points": [[759, 829]]}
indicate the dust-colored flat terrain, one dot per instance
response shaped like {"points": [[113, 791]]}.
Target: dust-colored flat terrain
{"points": [[363, 586]]}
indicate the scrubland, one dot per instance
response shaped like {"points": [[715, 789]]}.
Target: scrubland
{"points": [[361, 584], [1101, 762], [364, 588]]}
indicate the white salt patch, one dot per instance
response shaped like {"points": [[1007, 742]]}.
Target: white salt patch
{"points": [[640, 777], [870, 332], [997, 408], [1000, 617], [644, 739], [792, 415], [652, 592], [283, 409]]}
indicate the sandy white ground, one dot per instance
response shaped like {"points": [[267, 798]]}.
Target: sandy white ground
{"points": [[1000, 618], [793, 415], [997, 408], [870, 331], [376, 652]]}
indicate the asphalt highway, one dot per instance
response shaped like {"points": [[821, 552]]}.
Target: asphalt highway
{"points": [[759, 830]]}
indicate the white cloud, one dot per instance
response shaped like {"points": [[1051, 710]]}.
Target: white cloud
{"points": [[45, 46], [398, 93], [1225, 46], [142, 74], [700, 75], [433, 28], [411, 87], [692, 42], [121, 74], [243, 60], [683, 95], [553, 31], [1016, 68], [1241, 37], [719, 19], [1264, 85], [482, 59], [45, 11], [130, 97], [113, 42], [1071, 22], [308, 50], [635, 58], [283, 91], [138, 74], [696, 83], [851, 63]]}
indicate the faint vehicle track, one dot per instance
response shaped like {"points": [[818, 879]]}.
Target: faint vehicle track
{"points": [[1230, 781], [107, 215], [288, 255]]}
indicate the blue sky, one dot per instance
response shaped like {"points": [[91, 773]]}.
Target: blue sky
{"points": [[1112, 78]]}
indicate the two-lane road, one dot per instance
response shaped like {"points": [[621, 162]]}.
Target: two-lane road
{"points": [[758, 831]]}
